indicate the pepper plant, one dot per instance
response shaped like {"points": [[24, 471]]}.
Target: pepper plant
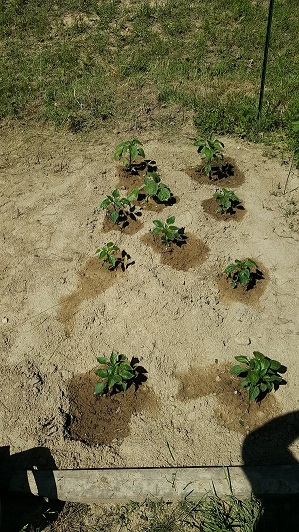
{"points": [[169, 232], [115, 375], [107, 254], [211, 149], [128, 152], [154, 188], [226, 199], [240, 272], [259, 375], [115, 205]]}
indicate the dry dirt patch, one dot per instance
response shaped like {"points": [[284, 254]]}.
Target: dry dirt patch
{"points": [[173, 320]]}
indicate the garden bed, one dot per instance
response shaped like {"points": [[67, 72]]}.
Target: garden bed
{"points": [[60, 309]]}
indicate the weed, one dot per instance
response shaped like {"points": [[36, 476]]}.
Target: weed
{"points": [[170, 233], [115, 376], [211, 149], [240, 272], [118, 205], [107, 254], [260, 374], [128, 152], [226, 200], [154, 188]]}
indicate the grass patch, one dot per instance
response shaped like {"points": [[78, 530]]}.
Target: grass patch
{"points": [[211, 514], [79, 63]]}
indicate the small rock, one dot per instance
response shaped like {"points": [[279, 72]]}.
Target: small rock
{"points": [[4, 320], [218, 378], [240, 340]]}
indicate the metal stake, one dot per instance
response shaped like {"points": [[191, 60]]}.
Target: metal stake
{"points": [[271, 6]]}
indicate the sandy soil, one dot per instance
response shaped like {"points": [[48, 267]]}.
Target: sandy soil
{"points": [[59, 310]]}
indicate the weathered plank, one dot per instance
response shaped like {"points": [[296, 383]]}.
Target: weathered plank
{"points": [[168, 483]]}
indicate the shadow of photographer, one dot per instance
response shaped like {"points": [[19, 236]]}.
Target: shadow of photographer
{"points": [[21, 487], [269, 445]]}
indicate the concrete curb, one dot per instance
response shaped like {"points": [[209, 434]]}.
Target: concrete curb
{"points": [[121, 485]]}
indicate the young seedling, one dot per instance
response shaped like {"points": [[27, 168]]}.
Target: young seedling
{"points": [[169, 233], [154, 188], [107, 255], [226, 200], [117, 204], [240, 272], [211, 149], [115, 375], [259, 375], [128, 152]]}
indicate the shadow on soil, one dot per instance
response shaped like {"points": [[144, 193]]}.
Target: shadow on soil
{"points": [[269, 445], [25, 511]]}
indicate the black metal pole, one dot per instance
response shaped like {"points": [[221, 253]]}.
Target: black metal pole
{"points": [[271, 6]]}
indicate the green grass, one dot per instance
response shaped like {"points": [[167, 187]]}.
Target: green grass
{"points": [[82, 63], [211, 514]]}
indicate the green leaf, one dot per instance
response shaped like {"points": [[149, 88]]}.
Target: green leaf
{"points": [[159, 224], [265, 364], [230, 268], [253, 376], [154, 176], [242, 359], [102, 360], [102, 373], [113, 357], [156, 231], [243, 276], [116, 193], [118, 203], [254, 392], [250, 263], [133, 195], [164, 194], [263, 387], [114, 216], [105, 203], [126, 367], [113, 381], [103, 253], [199, 143], [141, 152], [244, 383], [133, 152], [170, 220], [126, 375], [151, 188], [275, 365], [258, 355], [99, 388], [118, 152], [112, 260], [236, 370], [125, 201]]}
